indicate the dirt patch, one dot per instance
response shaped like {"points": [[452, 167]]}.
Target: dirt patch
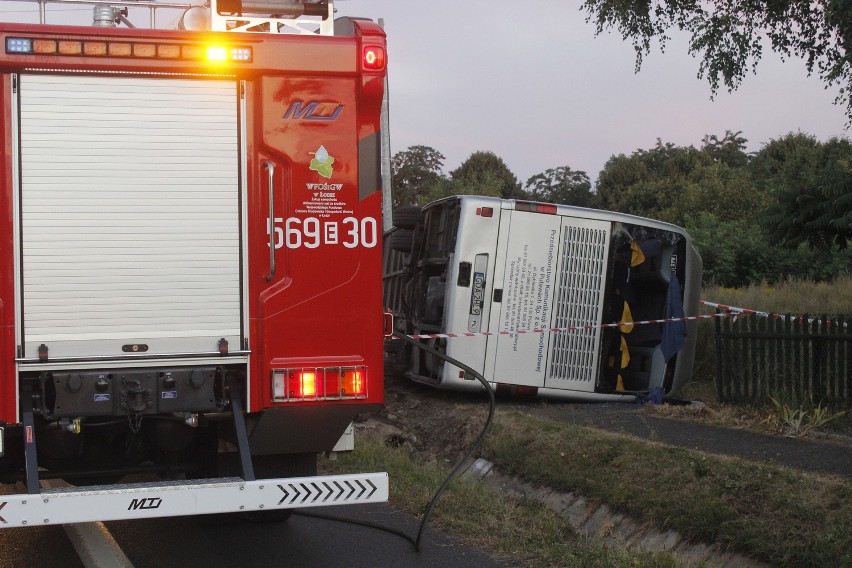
{"points": [[434, 424]]}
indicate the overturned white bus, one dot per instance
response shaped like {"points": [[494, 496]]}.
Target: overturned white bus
{"points": [[543, 297]]}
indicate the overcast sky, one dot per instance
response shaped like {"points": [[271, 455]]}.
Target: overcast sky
{"points": [[531, 82]]}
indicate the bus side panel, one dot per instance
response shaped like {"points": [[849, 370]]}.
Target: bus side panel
{"points": [[532, 255], [8, 388]]}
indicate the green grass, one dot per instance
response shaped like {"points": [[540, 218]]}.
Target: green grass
{"points": [[768, 513], [771, 514], [521, 532], [791, 296], [775, 515]]}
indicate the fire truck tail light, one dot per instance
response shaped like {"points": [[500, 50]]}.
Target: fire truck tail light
{"points": [[279, 385], [352, 383], [374, 58], [307, 384], [325, 383]]}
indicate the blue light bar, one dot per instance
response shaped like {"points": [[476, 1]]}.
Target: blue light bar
{"points": [[19, 45]]}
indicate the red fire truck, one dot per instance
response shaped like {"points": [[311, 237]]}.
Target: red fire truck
{"points": [[190, 259]]}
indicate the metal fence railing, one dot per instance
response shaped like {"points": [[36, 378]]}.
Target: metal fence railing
{"points": [[793, 358]]}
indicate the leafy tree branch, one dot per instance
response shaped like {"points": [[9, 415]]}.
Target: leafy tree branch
{"points": [[729, 36]]}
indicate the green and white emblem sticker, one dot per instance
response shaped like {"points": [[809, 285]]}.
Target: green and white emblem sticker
{"points": [[321, 163]]}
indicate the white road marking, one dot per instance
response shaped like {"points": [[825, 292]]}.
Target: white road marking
{"points": [[93, 542], [96, 547]]}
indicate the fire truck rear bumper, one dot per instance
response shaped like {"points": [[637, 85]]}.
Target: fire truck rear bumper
{"points": [[196, 497]]}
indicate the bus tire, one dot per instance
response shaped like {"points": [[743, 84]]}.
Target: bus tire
{"points": [[406, 217], [401, 241]]}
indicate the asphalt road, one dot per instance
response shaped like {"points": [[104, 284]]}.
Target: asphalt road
{"points": [[831, 456], [301, 541], [232, 541], [44, 547]]}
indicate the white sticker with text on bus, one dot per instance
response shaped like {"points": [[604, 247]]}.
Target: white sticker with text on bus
{"points": [[311, 232]]}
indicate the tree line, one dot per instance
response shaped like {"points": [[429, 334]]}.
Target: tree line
{"points": [[784, 211]]}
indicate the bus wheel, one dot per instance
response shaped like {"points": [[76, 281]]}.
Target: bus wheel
{"points": [[406, 217], [401, 241]]}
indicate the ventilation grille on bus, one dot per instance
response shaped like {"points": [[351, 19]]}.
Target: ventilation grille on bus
{"points": [[578, 302]]}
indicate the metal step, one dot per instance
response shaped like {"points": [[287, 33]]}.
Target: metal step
{"points": [[191, 497]]}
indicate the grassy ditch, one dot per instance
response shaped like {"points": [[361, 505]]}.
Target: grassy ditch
{"points": [[771, 514], [521, 532]]}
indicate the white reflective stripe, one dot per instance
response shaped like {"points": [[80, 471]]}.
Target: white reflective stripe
{"points": [[198, 497]]}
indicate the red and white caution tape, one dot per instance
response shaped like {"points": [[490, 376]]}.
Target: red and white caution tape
{"points": [[738, 310], [728, 311], [745, 311], [570, 328]]}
